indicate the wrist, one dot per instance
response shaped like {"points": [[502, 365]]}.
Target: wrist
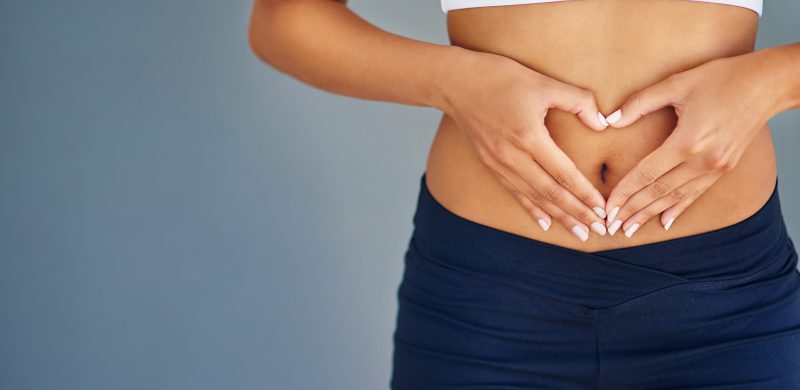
{"points": [[447, 75], [779, 67]]}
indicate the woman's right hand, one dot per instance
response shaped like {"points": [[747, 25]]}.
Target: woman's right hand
{"points": [[500, 105]]}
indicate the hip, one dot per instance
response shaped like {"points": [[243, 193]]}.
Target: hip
{"points": [[479, 305], [460, 182]]}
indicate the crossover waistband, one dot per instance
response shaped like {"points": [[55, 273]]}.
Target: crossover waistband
{"points": [[607, 276]]}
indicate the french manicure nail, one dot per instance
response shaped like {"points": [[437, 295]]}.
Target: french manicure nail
{"points": [[631, 230], [599, 228], [614, 117], [613, 214], [602, 119], [582, 234], [669, 223], [614, 226], [543, 224], [599, 211]]}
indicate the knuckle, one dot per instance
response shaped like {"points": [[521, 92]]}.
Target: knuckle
{"points": [[566, 178], [714, 159], [688, 147], [659, 189], [526, 138], [717, 164], [587, 215], [565, 220], [696, 147], [635, 100], [585, 197], [485, 157], [504, 182], [534, 196], [502, 154], [645, 177], [624, 192], [729, 164], [677, 195], [492, 146], [555, 212], [554, 194], [704, 139], [626, 211], [643, 215], [515, 193], [525, 202], [527, 205]]}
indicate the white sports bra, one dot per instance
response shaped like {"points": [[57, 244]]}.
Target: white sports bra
{"points": [[447, 5]]}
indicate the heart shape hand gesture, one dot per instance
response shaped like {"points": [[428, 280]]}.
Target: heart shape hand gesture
{"points": [[721, 106]]}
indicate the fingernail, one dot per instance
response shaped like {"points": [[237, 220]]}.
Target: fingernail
{"points": [[599, 228], [614, 117], [614, 226], [669, 223], [613, 214], [631, 230], [582, 234], [602, 119], [599, 211], [543, 224]]}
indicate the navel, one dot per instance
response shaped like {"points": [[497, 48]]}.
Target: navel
{"points": [[603, 171]]}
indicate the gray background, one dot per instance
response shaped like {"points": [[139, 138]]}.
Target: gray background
{"points": [[176, 215]]}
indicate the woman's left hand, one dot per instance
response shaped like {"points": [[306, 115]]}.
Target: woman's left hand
{"points": [[721, 105]]}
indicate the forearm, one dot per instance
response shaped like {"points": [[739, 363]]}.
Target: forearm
{"points": [[324, 44], [782, 68]]}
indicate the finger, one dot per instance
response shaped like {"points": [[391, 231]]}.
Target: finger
{"points": [[558, 166], [665, 186], [687, 193], [541, 217], [669, 215], [551, 191], [578, 101], [515, 183], [645, 101], [646, 171]]}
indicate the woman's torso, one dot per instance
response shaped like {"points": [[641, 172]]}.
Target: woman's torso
{"points": [[614, 48]]}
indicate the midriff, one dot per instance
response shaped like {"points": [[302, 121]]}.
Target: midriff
{"points": [[613, 48]]}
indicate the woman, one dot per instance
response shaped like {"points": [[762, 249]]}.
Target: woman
{"points": [[564, 122]]}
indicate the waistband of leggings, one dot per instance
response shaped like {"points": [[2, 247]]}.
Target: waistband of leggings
{"points": [[731, 251]]}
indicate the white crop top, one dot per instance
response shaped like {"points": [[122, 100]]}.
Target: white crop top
{"points": [[754, 5]]}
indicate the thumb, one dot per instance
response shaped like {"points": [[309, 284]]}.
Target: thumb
{"points": [[643, 102], [578, 101]]}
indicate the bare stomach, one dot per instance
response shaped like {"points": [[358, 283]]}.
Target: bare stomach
{"points": [[613, 48]]}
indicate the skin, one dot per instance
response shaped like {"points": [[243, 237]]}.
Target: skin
{"points": [[520, 138], [721, 106]]}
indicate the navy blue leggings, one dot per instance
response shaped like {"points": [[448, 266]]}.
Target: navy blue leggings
{"points": [[481, 308]]}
